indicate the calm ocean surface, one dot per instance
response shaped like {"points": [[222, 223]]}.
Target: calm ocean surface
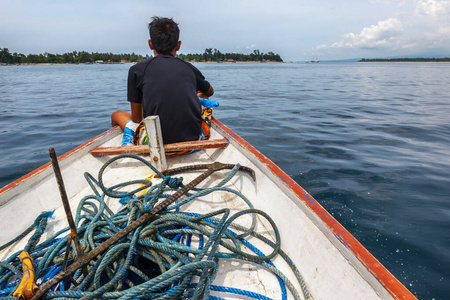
{"points": [[370, 141]]}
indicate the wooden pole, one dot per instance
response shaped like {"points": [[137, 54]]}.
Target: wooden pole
{"points": [[65, 201]]}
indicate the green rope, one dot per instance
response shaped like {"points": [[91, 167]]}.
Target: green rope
{"points": [[157, 260]]}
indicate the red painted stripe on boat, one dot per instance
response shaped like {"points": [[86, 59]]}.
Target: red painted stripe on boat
{"points": [[391, 284], [48, 165]]}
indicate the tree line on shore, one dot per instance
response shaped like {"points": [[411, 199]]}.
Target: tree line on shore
{"points": [[215, 55], [74, 57], [415, 59]]}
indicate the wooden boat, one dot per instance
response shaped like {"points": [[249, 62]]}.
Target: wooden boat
{"points": [[334, 265]]}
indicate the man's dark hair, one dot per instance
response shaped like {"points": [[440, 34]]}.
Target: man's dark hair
{"points": [[164, 34]]}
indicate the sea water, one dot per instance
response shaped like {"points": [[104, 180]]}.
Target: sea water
{"points": [[370, 141]]}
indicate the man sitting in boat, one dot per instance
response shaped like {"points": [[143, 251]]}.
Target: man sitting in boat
{"points": [[165, 86]]}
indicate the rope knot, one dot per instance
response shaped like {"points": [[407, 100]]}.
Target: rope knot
{"points": [[43, 217], [173, 183], [137, 203]]}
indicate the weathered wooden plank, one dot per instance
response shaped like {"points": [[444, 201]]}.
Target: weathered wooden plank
{"points": [[192, 145], [182, 146], [155, 142]]}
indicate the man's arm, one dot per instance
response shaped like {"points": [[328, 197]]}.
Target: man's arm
{"points": [[136, 112], [207, 94], [204, 88]]}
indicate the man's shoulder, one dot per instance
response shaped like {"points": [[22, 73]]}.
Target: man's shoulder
{"points": [[191, 66], [183, 61], [142, 64]]}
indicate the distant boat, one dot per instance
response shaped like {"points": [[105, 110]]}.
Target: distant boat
{"points": [[315, 59]]}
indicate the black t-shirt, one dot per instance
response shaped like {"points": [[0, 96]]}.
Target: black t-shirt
{"points": [[167, 86]]}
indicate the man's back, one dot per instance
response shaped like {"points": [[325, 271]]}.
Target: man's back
{"points": [[167, 86], [164, 86]]}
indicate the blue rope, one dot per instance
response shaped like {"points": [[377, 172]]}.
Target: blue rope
{"points": [[39, 225], [159, 259]]}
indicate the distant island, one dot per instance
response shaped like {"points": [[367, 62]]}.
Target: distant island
{"points": [[215, 55], [417, 59], [83, 57]]}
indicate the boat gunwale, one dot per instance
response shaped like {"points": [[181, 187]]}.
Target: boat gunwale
{"points": [[392, 285], [7, 188]]}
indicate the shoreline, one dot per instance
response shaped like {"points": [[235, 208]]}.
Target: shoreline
{"points": [[131, 63], [412, 62], [63, 64], [234, 62]]}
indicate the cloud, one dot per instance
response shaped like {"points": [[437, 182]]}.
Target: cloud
{"points": [[433, 7], [382, 34], [388, 2], [320, 47], [248, 47], [439, 38]]}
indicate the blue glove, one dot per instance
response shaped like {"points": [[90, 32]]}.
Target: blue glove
{"points": [[209, 103]]}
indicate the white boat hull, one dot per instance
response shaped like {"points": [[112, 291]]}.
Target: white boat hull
{"points": [[333, 263]]}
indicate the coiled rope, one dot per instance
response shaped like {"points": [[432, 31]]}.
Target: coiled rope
{"points": [[175, 255]]}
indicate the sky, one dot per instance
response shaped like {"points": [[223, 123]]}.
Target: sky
{"points": [[298, 30]]}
